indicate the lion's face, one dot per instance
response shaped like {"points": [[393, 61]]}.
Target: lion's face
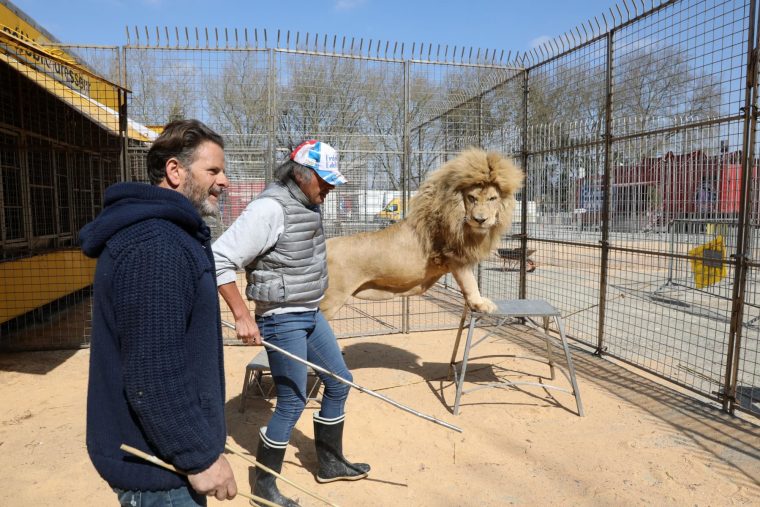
{"points": [[481, 206]]}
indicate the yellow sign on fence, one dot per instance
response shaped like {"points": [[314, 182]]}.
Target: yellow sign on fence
{"points": [[708, 265]]}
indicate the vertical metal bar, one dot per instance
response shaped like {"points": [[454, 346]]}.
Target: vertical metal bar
{"points": [[419, 158], [123, 112], [405, 168], [271, 124], [123, 133], [745, 202], [523, 290], [479, 133], [607, 192]]}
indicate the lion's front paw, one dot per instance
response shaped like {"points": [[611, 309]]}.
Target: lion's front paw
{"points": [[483, 305]]}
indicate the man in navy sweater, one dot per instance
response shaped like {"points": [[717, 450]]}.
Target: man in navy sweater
{"points": [[156, 361]]}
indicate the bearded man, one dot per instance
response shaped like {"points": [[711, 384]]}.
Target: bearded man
{"points": [[156, 363]]}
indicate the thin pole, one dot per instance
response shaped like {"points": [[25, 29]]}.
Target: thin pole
{"points": [[123, 116], [607, 189], [406, 177], [744, 224], [272, 115], [523, 284], [355, 386]]}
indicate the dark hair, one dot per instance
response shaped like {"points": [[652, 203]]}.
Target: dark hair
{"points": [[289, 169], [179, 139]]}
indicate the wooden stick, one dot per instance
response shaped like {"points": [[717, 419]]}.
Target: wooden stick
{"points": [[269, 470], [157, 461]]}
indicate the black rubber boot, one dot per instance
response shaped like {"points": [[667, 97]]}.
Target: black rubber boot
{"points": [[270, 454], [333, 466]]}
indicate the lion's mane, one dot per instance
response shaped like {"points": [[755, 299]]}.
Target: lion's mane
{"points": [[437, 212]]}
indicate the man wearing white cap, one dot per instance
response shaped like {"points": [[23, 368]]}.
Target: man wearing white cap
{"points": [[279, 241]]}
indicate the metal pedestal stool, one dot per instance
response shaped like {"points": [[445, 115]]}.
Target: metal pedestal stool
{"points": [[509, 309], [254, 385]]}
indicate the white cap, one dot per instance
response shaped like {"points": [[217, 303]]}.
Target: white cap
{"points": [[322, 158]]}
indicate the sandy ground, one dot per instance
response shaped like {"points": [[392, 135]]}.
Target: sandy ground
{"points": [[640, 443]]}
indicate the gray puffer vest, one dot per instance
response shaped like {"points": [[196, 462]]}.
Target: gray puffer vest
{"points": [[295, 270]]}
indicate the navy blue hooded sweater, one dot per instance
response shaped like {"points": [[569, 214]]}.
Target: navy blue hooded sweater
{"points": [[156, 360]]}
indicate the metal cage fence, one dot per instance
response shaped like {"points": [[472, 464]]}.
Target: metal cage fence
{"points": [[645, 197], [61, 138], [636, 131]]}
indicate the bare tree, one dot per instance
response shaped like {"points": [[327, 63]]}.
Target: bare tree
{"points": [[386, 123], [238, 101], [161, 90], [657, 88], [653, 82], [321, 97], [566, 93]]}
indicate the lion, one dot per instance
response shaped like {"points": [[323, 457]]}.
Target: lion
{"points": [[456, 219]]}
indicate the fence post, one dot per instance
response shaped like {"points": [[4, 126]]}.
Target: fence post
{"points": [[523, 290], [605, 244], [123, 134], [123, 118], [405, 176], [271, 116], [749, 111], [479, 134]]}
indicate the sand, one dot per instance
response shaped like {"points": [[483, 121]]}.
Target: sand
{"points": [[640, 443]]}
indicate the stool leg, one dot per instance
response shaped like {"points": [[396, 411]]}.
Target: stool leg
{"points": [[314, 391], [317, 386], [258, 377], [243, 395], [460, 377], [456, 343], [549, 357], [570, 367]]}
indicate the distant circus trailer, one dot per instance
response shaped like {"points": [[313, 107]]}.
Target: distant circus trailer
{"points": [[693, 185]]}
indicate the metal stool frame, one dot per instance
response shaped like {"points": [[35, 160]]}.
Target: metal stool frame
{"points": [[510, 309], [254, 374]]}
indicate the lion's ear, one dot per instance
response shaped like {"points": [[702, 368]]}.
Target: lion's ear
{"points": [[507, 176]]}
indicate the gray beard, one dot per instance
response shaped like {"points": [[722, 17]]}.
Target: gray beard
{"points": [[198, 197]]}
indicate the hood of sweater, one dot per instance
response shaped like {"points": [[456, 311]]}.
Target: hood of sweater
{"points": [[129, 203]]}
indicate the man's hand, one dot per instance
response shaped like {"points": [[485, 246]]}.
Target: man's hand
{"points": [[217, 480], [247, 330], [245, 326]]}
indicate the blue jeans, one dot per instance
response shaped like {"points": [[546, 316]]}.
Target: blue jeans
{"points": [[180, 497], [308, 336]]}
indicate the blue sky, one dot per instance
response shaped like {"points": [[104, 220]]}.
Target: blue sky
{"points": [[496, 24]]}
